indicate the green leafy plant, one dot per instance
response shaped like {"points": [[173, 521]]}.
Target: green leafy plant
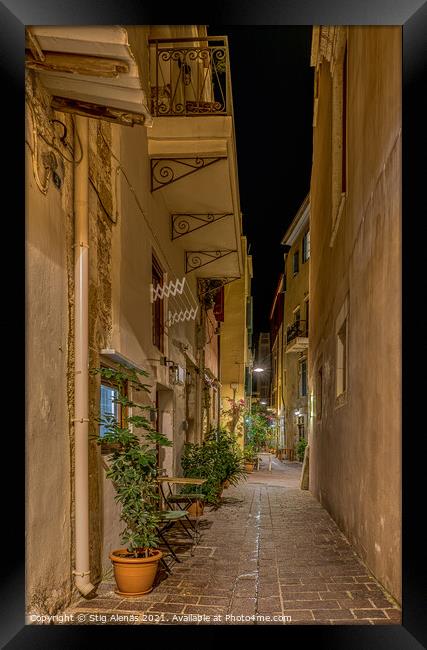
{"points": [[300, 449], [249, 453], [217, 459], [259, 432], [132, 462], [229, 456]]}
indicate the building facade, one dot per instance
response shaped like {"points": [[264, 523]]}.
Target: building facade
{"points": [[355, 290], [296, 325], [235, 339], [289, 316], [262, 379], [132, 215], [278, 403]]}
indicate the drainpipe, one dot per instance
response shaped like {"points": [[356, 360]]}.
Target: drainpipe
{"points": [[81, 363]]}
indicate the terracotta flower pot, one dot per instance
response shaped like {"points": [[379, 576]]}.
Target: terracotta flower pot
{"points": [[226, 484], [249, 467], [134, 576], [196, 509]]}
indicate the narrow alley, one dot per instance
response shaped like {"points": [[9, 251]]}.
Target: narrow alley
{"points": [[270, 554], [213, 322]]}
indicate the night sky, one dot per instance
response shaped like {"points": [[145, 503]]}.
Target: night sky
{"points": [[272, 84]]}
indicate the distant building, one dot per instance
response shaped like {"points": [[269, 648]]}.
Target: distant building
{"points": [[295, 325], [261, 380], [289, 318], [355, 290], [236, 337], [278, 404]]}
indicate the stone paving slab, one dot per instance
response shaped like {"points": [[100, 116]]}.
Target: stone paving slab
{"points": [[269, 555]]}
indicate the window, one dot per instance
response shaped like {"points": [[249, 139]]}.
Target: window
{"points": [[297, 316], [306, 247], [108, 406], [295, 265], [341, 329], [319, 396], [303, 378], [157, 306]]}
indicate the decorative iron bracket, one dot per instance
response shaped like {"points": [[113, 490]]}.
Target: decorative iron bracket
{"points": [[208, 286], [165, 171], [184, 223], [196, 259]]}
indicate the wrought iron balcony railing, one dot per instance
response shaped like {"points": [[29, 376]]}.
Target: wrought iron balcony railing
{"points": [[190, 77], [299, 328]]}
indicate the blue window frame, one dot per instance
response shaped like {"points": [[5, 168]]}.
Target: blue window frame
{"points": [[108, 405]]}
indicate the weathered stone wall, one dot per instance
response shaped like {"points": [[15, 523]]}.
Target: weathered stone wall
{"points": [[355, 455], [49, 394], [101, 227]]}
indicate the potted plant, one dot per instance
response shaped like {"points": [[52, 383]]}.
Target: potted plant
{"points": [[229, 459], [200, 461], [217, 459], [249, 455], [133, 471]]}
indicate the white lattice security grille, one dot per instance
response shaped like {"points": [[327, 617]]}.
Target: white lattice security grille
{"points": [[171, 288]]}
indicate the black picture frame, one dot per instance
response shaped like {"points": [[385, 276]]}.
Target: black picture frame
{"points": [[412, 15]]}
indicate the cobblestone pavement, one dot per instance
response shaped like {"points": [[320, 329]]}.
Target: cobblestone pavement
{"points": [[270, 550]]}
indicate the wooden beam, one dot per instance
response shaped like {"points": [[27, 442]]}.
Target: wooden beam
{"points": [[96, 111], [76, 64], [33, 44]]}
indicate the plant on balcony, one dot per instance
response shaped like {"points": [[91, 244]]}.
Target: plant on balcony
{"points": [[132, 470], [300, 449]]}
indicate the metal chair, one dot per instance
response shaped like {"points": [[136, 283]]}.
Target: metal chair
{"points": [[168, 518]]}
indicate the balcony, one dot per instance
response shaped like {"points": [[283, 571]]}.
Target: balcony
{"points": [[192, 152], [191, 77], [297, 337]]}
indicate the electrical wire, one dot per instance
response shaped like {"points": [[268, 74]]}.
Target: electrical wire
{"points": [[100, 201], [51, 143], [43, 187]]}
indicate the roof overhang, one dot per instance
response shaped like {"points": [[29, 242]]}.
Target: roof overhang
{"points": [[300, 220], [89, 67]]}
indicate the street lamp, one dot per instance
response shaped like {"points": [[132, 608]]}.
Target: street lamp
{"points": [[259, 369]]}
